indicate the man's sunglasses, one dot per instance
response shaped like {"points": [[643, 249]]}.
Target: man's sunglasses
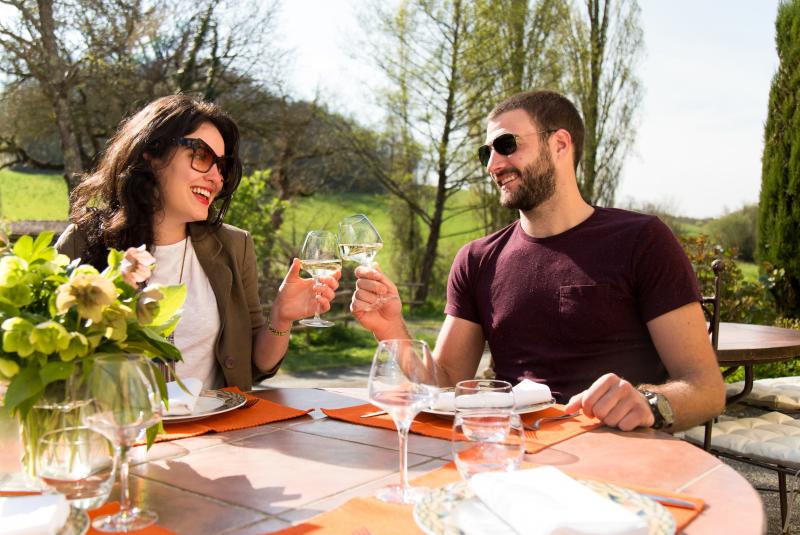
{"points": [[505, 144], [203, 157]]}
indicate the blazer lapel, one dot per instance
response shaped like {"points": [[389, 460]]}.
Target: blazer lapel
{"points": [[208, 248]]}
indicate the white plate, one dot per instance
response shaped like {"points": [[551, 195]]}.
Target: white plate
{"points": [[520, 410], [437, 512], [210, 403]]}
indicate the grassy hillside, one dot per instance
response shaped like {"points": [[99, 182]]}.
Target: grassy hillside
{"points": [[26, 195]]}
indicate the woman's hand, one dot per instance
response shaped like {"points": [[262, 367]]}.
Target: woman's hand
{"points": [[376, 304], [298, 298]]}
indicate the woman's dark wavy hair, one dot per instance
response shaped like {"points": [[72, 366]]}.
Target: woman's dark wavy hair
{"points": [[115, 204]]}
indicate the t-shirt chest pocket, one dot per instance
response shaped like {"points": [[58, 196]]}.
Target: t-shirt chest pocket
{"points": [[585, 312]]}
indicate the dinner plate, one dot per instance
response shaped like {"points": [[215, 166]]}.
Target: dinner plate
{"points": [[437, 512], [520, 410], [209, 403]]}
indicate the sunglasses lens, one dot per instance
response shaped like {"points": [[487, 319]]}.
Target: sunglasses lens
{"points": [[202, 159], [505, 144], [484, 151]]}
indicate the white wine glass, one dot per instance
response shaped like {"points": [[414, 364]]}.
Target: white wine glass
{"points": [[77, 462], [359, 240], [125, 402], [320, 258], [402, 381], [487, 432]]}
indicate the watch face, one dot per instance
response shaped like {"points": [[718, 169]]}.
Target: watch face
{"points": [[665, 409]]}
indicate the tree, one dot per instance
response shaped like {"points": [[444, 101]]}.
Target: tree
{"points": [[779, 206], [602, 50]]}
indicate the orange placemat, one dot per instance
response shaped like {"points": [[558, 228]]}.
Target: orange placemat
{"points": [[436, 426], [113, 507], [377, 517], [263, 412]]}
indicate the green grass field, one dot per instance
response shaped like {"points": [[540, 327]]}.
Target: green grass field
{"points": [[26, 195]]}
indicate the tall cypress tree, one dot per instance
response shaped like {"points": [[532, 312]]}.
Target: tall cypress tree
{"points": [[779, 209]]}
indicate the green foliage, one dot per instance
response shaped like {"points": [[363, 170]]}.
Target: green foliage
{"points": [[55, 315], [334, 347], [779, 215], [32, 196], [737, 230]]}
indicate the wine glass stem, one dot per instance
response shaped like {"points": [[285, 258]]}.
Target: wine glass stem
{"points": [[316, 303], [124, 498], [402, 433]]}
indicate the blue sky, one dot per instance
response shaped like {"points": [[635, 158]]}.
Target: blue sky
{"points": [[706, 73]]}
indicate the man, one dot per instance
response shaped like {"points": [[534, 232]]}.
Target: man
{"points": [[600, 304]]}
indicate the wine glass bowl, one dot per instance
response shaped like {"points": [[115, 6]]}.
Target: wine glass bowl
{"points": [[319, 256], [359, 240], [125, 402], [77, 462], [402, 381]]}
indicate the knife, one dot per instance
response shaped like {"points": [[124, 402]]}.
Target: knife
{"points": [[371, 414], [667, 500]]}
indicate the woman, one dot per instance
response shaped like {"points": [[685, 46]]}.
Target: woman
{"points": [[166, 179]]}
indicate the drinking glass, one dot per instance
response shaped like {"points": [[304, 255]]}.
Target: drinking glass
{"points": [[487, 433], [402, 381], [77, 462], [125, 402], [320, 257], [359, 240]]}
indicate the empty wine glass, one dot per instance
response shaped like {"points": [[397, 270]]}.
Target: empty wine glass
{"points": [[320, 257], [125, 402], [359, 240], [402, 381], [77, 462], [487, 432]]}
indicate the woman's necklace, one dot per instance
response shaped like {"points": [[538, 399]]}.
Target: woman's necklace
{"points": [[171, 336]]}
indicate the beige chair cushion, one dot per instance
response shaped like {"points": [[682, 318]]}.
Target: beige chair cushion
{"points": [[773, 437], [782, 393]]}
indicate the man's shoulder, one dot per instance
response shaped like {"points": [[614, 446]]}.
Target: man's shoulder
{"points": [[493, 240]]}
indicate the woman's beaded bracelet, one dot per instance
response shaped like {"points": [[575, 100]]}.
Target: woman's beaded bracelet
{"points": [[275, 331]]}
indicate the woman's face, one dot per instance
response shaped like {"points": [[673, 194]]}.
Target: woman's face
{"points": [[187, 193]]}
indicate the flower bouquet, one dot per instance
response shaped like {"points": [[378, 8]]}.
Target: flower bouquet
{"points": [[57, 315]]}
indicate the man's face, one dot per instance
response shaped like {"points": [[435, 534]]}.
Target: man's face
{"points": [[526, 178]]}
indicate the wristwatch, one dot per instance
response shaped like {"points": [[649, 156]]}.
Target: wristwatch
{"points": [[662, 410]]}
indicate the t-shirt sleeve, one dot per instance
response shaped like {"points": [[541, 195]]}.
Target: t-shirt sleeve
{"points": [[664, 275], [460, 287]]}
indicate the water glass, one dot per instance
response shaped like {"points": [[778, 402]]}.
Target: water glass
{"points": [[487, 433], [78, 463]]}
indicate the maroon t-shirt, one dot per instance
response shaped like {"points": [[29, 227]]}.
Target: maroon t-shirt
{"points": [[566, 309]]}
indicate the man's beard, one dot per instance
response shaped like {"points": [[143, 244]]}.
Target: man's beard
{"points": [[536, 184]]}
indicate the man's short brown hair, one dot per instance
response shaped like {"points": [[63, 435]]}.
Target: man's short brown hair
{"points": [[550, 111]]}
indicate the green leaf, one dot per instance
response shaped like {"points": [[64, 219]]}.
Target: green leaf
{"points": [[8, 368], [18, 296], [171, 303], [114, 262], [56, 371], [25, 386], [152, 432], [24, 248], [41, 249]]}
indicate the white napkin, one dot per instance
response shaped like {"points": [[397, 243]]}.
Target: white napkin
{"points": [[526, 393], [33, 515], [181, 402], [544, 501]]}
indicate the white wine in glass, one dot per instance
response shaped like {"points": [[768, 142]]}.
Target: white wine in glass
{"points": [[402, 381], [359, 240], [320, 258]]}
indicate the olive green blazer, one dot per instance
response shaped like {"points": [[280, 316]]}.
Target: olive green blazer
{"points": [[228, 258]]}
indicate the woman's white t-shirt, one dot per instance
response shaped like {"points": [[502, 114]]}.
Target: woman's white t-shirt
{"points": [[197, 330]]}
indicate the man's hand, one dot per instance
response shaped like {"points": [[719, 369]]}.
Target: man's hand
{"points": [[615, 402], [299, 298], [376, 304]]}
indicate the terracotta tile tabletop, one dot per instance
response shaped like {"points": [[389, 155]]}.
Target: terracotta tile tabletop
{"points": [[266, 478]]}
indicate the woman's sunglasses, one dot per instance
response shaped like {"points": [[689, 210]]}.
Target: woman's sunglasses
{"points": [[505, 144], [203, 157]]}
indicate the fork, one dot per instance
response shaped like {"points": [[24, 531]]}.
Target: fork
{"points": [[535, 425], [250, 402]]}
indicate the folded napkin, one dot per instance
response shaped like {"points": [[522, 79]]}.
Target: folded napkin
{"points": [[44, 514], [543, 501], [181, 402], [526, 393]]}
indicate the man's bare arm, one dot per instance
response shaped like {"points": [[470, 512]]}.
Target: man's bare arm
{"points": [[458, 350]]}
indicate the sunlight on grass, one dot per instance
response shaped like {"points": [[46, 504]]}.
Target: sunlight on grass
{"points": [[26, 195]]}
